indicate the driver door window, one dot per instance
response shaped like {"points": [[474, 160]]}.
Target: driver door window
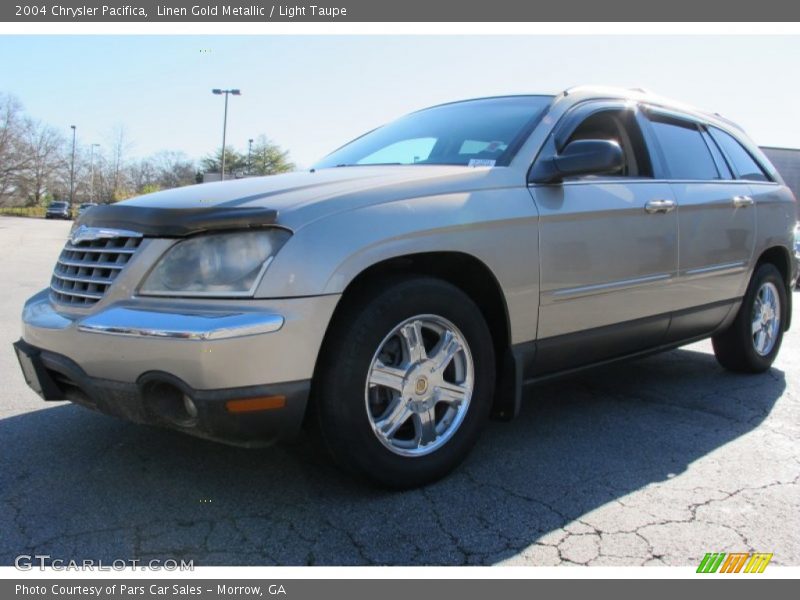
{"points": [[619, 126]]}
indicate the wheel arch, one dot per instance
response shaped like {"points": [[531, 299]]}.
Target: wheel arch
{"points": [[779, 257], [472, 276]]}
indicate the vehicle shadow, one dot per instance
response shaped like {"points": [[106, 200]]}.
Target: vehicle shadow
{"points": [[78, 485]]}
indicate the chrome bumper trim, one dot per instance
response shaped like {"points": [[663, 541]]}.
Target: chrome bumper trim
{"points": [[39, 312], [202, 326]]}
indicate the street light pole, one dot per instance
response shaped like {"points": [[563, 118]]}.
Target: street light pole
{"points": [[224, 131], [72, 172], [249, 152], [218, 92], [91, 183]]}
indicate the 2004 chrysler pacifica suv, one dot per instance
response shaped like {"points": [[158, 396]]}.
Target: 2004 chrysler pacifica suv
{"points": [[418, 278]]}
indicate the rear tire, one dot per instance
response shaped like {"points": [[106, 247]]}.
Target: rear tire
{"points": [[400, 413], [752, 342]]}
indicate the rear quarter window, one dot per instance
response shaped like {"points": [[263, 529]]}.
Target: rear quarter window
{"points": [[739, 158]]}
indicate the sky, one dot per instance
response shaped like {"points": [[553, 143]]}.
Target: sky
{"points": [[310, 94]]}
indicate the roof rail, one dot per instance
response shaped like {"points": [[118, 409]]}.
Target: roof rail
{"points": [[654, 98], [727, 121], [574, 88]]}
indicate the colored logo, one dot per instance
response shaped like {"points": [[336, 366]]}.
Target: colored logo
{"points": [[734, 562]]}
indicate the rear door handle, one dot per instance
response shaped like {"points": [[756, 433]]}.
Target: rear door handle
{"points": [[660, 206], [742, 201]]}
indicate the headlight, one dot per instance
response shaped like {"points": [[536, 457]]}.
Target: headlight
{"points": [[219, 264]]}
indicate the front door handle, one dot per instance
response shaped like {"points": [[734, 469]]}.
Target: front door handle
{"points": [[742, 201], [660, 206]]}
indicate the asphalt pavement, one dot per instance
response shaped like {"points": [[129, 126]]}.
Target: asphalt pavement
{"points": [[654, 462]]}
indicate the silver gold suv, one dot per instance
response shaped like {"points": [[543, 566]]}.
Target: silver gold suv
{"points": [[417, 279]]}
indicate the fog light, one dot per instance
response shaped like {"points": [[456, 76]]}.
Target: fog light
{"points": [[190, 407], [167, 402]]}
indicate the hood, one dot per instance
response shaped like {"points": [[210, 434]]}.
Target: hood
{"points": [[290, 200]]}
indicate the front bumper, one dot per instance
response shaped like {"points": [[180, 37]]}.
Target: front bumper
{"points": [[266, 413], [237, 371]]}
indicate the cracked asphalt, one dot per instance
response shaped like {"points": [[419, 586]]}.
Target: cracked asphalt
{"points": [[654, 462]]}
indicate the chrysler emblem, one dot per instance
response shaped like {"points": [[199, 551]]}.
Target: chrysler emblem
{"points": [[90, 234]]}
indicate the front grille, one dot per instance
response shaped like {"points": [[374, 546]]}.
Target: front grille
{"points": [[86, 269]]}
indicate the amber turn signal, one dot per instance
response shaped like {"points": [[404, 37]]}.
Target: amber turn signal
{"points": [[255, 404]]}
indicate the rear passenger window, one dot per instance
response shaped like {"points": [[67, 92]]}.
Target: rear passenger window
{"points": [[745, 166], [685, 151]]}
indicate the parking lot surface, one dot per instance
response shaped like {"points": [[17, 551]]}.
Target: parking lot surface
{"points": [[654, 462]]}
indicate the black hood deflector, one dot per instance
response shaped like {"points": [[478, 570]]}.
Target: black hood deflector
{"points": [[177, 222]]}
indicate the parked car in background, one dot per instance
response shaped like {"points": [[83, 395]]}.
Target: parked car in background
{"points": [[84, 207], [58, 210], [797, 247], [417, 279]]}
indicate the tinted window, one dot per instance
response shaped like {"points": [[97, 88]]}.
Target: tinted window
{"points": [[744, 164], [722, 164], [685, 151], [490, 130]]}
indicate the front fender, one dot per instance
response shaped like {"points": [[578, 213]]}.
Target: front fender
{"points": [[499, 227]]}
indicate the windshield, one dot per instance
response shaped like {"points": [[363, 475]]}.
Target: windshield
{"points": [[58, 204], [484, 132]]}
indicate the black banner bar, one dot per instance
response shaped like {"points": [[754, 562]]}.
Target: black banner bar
{"points": [[398, 589], [404, 10]]}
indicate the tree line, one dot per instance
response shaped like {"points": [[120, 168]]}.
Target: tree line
{"points": [[36, 159]]}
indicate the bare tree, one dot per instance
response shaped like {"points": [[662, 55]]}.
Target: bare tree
{"points": [[13, 159], [44, 147], [35, 163], [116, 182], [175, 169], [161, 171], [143, 176]]}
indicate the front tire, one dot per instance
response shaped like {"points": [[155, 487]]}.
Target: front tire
{"points": [[752, 342], [405, 382]]}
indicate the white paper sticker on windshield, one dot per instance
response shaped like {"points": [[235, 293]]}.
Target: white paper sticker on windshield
{"points": [[481, 162]]}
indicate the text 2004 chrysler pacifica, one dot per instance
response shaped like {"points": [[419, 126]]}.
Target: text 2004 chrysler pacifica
{"points": [[417, 279]]}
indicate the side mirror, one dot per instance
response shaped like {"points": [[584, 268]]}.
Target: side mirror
{"points": [[581, 157]]}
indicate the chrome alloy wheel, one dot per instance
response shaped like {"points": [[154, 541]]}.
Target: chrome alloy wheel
{"points": [[766, 318], [419, 385]]}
